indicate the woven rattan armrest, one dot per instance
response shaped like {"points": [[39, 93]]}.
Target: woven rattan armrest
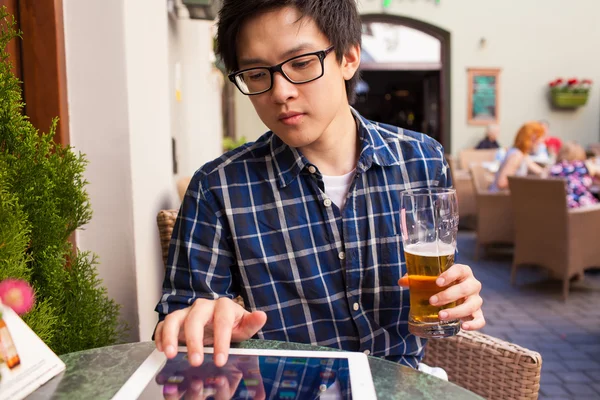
{"points": [[488, 366], [165, 221]]}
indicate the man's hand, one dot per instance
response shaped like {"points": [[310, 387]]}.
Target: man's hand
{"points": [[218, 322], [465, 290]]}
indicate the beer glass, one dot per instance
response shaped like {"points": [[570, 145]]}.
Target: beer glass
{"points": [[429, 222]]}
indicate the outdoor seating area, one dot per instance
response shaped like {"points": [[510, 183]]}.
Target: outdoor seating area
{"points": [[320, 199], [539, 263], [532, 218]]}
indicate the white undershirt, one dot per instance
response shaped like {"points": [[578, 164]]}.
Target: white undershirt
{"points": [[336, 187]]}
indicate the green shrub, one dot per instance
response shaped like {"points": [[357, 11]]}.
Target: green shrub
{"points": [[42, 202]]}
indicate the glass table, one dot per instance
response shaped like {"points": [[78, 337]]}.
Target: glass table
{"points": [[100, 373]]}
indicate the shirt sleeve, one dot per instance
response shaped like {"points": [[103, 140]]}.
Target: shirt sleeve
{"points": [[200, 260], [444, 176]]}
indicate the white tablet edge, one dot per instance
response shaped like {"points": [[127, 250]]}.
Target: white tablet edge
{"points": [[361, 380], [135, 385]]}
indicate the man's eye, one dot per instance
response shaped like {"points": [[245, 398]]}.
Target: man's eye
{"points": [[301, 64], [255, 76]]}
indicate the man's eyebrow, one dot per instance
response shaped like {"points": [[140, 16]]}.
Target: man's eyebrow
{"points": [[290, 53]]}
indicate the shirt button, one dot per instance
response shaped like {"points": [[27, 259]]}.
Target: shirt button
{"points": [[312, 169], [327, 203], [341, 255], [355, 306], [367, 352]]}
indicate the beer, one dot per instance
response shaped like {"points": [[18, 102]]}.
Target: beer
{"points": [[425, 262]]}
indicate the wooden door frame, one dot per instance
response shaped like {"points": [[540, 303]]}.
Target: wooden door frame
{"points": [[43, 65], [39, 62]]}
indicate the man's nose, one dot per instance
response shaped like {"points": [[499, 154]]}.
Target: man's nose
{"points": [[282, 89]]}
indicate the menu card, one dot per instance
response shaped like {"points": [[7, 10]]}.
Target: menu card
{"points": [[26, 362]]}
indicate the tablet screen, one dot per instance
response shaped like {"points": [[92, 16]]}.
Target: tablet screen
{"points": [[252, 377]]}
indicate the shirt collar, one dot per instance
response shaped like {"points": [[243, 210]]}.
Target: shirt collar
{"points": [[379, 145]]}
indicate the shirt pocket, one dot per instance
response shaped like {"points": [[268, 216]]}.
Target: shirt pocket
{"points": [[390, 259], [390, 268]]}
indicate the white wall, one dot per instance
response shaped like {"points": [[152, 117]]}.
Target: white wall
{"points": [[146, 49], [533, 42], [247, 122], [117, 70], [99, 127], [196, 121]]}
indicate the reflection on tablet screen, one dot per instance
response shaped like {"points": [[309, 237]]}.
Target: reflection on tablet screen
{"points": [[252, 377]]}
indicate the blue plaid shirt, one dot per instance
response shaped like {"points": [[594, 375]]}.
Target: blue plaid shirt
{"points": [[257, 223]]}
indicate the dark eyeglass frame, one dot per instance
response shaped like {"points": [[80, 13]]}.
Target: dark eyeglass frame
{"points": [[322, 54]]}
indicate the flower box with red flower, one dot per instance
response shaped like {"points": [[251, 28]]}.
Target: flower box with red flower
{"points": [[571, 93]]}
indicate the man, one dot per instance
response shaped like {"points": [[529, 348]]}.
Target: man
{"points": [[303, 223], [491, 138]]}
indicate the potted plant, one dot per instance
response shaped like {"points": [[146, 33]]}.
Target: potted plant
{"points": [[570, 93]]}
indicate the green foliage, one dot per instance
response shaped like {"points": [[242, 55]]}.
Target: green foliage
{"points": [[230, 144], [42, 201]]}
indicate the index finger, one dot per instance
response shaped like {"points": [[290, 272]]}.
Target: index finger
{"points": [[223, 326], [456, 273]]}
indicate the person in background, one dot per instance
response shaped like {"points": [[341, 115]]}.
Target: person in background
{"points": [[491, 138], [517, 161], [549, 148], [553, 144], [579, 172]]}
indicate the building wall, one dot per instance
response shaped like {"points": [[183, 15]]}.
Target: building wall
{"points": [[147, 67], [99, 127], [533, 42], [117, 69], [122, 62], [196, 122]]}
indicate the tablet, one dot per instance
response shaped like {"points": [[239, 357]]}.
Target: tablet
{"points": [[253, 374]]}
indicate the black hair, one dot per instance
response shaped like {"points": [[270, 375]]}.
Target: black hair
{"points": [[337, 19]]}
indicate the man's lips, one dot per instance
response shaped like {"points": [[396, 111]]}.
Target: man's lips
{"points": [[291, 118]]}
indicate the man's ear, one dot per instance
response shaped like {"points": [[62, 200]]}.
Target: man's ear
{"points": [[351, 61]]}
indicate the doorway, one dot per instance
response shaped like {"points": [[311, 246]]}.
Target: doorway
{"points": [[405, 75], [408, 99]]}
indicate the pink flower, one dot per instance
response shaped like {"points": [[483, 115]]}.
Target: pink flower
{"points": [[17, 294]]}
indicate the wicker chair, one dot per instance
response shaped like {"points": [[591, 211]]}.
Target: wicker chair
{"points": [[494, 211], [461, 180], [469, 157], [490, 367], [549, 234]]}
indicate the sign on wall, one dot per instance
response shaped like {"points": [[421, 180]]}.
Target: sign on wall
{"points": [[483, 96]]}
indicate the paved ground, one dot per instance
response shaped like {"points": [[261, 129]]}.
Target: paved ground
{"points": [[567, 334]]}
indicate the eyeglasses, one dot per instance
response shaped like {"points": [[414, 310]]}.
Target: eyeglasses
{"points": [[300, 69]]}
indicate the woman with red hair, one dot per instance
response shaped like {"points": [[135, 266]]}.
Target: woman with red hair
{"points": [[517, 161]]}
